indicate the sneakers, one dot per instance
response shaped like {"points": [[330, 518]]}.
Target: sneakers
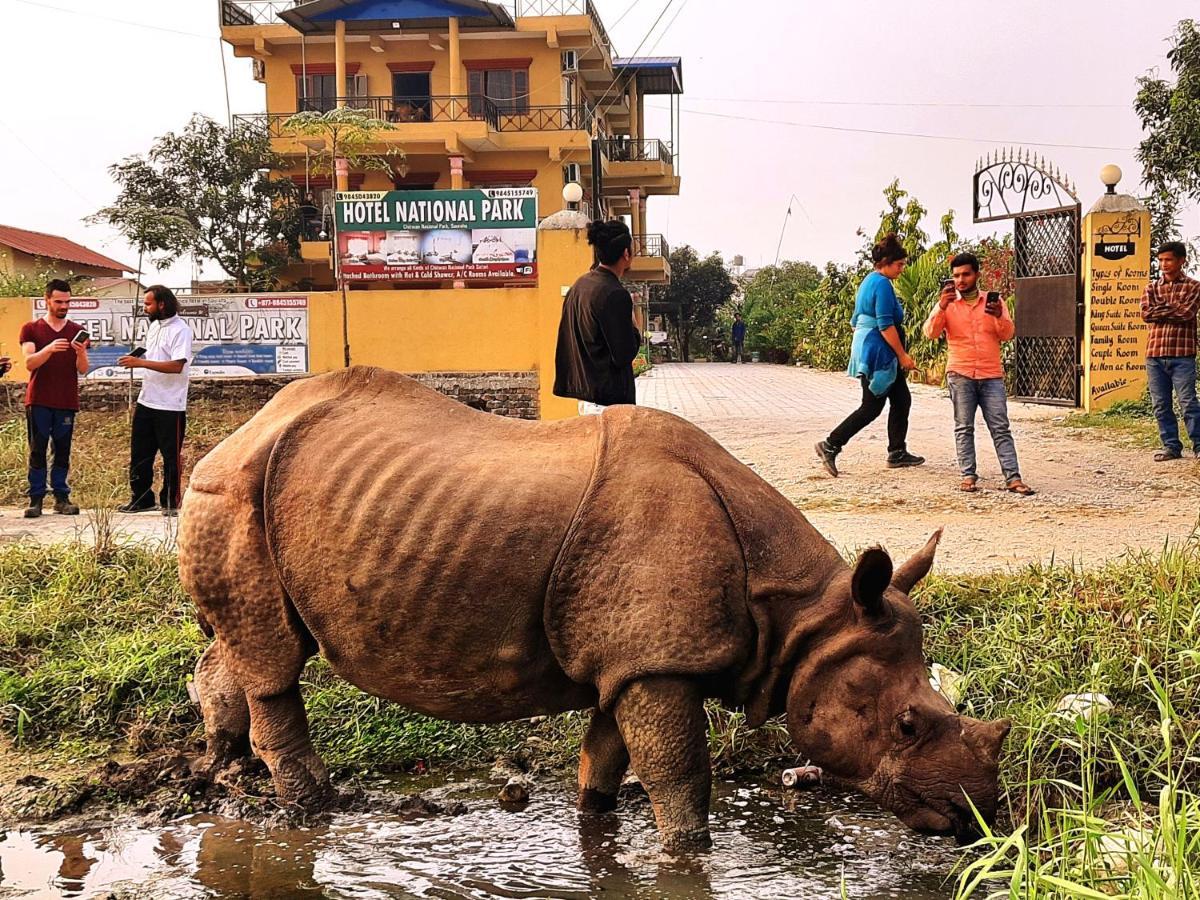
{"points": [[132, 507], [904, 460], [34, 510], [828, 457], [64, 507]]}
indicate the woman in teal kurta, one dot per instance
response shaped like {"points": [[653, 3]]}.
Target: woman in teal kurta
{"points": [[879, 360]]}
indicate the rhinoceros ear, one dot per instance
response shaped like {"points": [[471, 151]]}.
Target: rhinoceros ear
{"points": [[872, 575], [909, 575]]}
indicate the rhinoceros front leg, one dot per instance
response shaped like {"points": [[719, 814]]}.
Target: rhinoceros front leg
{"points": [[279, 736], [602, 764], [662, 721]]}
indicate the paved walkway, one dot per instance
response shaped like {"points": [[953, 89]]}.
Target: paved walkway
{"points": [[1095, 497]]}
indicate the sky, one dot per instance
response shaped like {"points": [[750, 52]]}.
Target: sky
{"points": [[816, 100]]}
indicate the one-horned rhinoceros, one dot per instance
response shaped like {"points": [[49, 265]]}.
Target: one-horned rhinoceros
{"points": [[483, 569]]}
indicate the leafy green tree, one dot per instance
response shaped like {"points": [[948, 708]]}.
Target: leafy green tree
{"points": [[1170, 151], [350, 134], [208, 192], [698, 288], [773, 308]]}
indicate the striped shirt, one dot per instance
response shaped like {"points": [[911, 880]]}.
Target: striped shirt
{"points": [[1170, 307]]}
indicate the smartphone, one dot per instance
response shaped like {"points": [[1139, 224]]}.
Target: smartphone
{"points": [[138, 352], [81, 337], [993, 296], [947, 283]]}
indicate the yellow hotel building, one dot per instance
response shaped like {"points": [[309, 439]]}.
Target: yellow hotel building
{"points": [[479, 94]]}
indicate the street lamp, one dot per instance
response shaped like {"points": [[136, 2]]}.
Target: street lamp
{"points": [[572, 194], [1110, 177]]}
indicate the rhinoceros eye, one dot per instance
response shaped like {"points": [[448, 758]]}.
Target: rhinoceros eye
{"points": [[906, 723]]}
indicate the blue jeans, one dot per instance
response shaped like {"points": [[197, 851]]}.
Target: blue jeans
{"points": [[46, 427], [1178, 372], [986, 395]]}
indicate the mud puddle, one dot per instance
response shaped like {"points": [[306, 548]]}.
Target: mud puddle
{"points": [[769, 843]]}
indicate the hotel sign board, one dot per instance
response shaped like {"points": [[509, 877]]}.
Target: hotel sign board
{"points": [[485, 234], [241, 334]]}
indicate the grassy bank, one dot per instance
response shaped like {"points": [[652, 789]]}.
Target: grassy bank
{"points": [[1130, 421], [100, 450], [95, 652]]}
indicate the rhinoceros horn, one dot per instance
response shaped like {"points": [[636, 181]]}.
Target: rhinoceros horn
{"points": [[910, 574], [986, 738]]}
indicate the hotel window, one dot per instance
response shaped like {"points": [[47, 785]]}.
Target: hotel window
{"points": [[318, 93], [508, 89]]}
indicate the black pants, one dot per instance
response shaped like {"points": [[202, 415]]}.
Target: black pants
{"points": [[155, 431], [738, 351], [901, 402]]}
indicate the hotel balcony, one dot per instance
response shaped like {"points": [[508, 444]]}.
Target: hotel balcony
{"points": [[424, 124], [651, 259], [648, 165]]}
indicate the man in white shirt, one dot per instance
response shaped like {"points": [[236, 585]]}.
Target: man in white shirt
{"points": [[161, 415]]}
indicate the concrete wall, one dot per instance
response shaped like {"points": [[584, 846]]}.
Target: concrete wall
{"points": [[485, 330]]}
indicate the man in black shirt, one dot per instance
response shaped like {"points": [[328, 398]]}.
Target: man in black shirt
{"points": [[600, 332]]}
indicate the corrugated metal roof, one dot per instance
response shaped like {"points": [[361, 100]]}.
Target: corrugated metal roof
{"points": [[647, 61], [655, 74], [51, 246]]}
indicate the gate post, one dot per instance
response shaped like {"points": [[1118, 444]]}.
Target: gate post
{"points": [[1116, 239]]}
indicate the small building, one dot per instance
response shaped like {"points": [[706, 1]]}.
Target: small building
{"points": [[478, 95], [35, 253]]}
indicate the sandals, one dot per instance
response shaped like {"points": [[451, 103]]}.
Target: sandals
{"points": [[1166, 456], [1017, 486], [969, 485]]}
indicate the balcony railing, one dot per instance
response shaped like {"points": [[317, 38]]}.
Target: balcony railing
{"points": [[651, 245], [500, 116], [622, 149], [543, 118], [271, 123], [254, 12], [565, 8], [400, 110]]}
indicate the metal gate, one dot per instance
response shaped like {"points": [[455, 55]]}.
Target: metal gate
{"points": [[1047, 255]]}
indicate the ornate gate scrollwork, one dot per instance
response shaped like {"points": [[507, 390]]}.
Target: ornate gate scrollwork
{"points": [[1045, 211]]}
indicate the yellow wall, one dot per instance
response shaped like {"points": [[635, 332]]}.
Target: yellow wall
{"points": [[480, 330], [1114, 343]]}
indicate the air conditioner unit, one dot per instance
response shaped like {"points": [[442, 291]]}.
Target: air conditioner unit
{"points": [[572, 172], [259, 68], [570, 61]]}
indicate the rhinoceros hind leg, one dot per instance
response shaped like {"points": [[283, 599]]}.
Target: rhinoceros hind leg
{"points": [[279, 736], [602, 764], [663, 723], [225, 710]]}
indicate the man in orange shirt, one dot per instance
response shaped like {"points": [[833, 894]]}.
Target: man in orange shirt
{"points": [[975, 325]]}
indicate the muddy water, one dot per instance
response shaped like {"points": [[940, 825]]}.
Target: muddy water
{"points": [[768, 844]]}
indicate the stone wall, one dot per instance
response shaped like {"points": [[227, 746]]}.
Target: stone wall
{"points": [[513, 394]]}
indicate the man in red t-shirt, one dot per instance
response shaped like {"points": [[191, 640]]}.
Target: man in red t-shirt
{"points": [[55, 361]]}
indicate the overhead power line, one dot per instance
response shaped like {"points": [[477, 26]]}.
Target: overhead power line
{"points": [[938, 104], [910, 134]]}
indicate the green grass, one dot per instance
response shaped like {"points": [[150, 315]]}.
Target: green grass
{"points": [[100, 450], [1131, 421], [96, 649]]}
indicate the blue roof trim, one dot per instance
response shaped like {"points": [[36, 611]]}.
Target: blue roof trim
{"points": [[648, 62], [396, 10]]}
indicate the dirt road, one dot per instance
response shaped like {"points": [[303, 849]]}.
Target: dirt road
{"points": [[1095, 498]]}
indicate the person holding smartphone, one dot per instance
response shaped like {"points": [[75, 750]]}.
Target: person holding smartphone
{"points": [[160, 419], [975, 325], [55, 351]]}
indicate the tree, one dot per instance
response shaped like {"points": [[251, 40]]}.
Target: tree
{"points": [[774, 309], [698, 288], [1170, 151], [208, 192], [346, 133]]}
